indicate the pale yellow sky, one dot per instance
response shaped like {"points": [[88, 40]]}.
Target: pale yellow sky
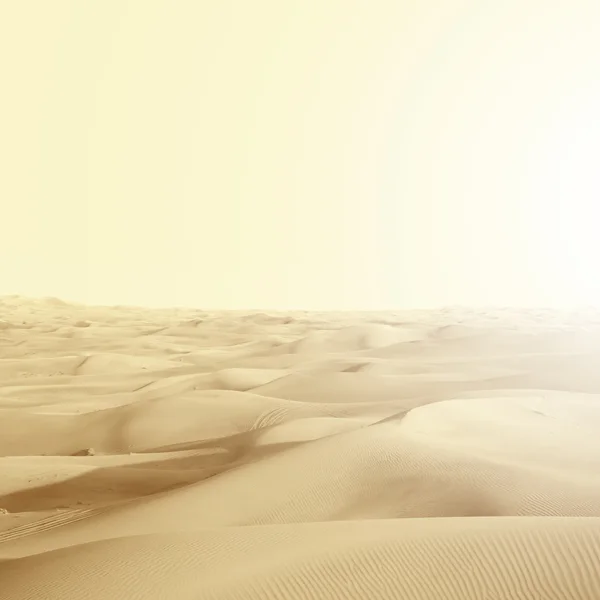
{"points": [[300, 153]]}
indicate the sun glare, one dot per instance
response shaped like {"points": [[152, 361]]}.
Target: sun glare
{"points": [[565, 195]]}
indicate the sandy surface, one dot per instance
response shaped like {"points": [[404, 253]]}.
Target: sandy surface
{"points": [[185, 454]]}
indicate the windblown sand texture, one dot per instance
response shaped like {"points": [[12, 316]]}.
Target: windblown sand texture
{"points": [[182, 454]]}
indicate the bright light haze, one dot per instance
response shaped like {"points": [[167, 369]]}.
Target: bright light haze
{"points": [[301, 154]]}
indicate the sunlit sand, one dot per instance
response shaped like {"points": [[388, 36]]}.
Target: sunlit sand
{"points": [[189, 454]]}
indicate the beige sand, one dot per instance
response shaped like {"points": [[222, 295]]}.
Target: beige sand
{"points": [[185, 454]]}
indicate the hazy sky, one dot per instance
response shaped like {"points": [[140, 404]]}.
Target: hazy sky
{"points": [[300, 153]]}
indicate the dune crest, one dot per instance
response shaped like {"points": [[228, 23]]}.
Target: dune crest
{"points": [[218, 455]]}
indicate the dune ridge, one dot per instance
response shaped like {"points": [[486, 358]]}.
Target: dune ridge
{"points": [[193, 454]]}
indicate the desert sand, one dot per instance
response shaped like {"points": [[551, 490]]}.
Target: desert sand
{"points": [[190, 454]]}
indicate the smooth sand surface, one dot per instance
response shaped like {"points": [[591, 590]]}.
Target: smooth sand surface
{"points": [[187, 454]]}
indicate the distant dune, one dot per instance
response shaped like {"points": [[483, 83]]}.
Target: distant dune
{"points": [[192, 455]]}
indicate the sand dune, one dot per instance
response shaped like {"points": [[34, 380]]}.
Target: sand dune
{"points": [[204, 455]]}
